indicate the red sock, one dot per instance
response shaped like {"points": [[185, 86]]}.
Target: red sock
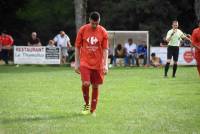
{"points": [[85, 90], [95, 93]]}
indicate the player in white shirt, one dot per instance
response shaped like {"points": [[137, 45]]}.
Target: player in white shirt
{"points": [[63, 41], [174, 37], [130, 52]]}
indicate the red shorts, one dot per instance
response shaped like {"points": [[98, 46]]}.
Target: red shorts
{"points": [[91, 75]]}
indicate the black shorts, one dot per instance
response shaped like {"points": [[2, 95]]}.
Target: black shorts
{"points": [[173, 51]]}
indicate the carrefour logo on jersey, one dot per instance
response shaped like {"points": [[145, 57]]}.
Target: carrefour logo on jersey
{"points": [[92, 40]]}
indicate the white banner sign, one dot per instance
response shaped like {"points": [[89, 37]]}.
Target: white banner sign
{"points": [[36, 55], [186, 55]]}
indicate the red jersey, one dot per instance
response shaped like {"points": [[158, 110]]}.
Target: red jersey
{"points": [[196, 41], [6, 40], [196, 37], [91, 43]]}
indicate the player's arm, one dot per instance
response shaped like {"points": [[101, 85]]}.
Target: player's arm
{"points": [[39, 43], [78, 44], [55, 39], [0, 45], [105, 52], [77, 60], [10, 43], [151, 62], [134, 51], [105, 59], [194, 41], [68, 42], [186, 36]]}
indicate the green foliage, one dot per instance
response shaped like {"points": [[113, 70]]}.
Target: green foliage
{"points": [[152, 15], [48, 16]]}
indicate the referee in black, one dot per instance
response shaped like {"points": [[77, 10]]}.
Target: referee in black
{"points": [[174, 36]]}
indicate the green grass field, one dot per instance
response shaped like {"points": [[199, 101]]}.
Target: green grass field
{"points": [[48, 100]]}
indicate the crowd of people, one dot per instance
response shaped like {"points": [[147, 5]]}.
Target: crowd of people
{"points": [[60, 40], [129, 54]]}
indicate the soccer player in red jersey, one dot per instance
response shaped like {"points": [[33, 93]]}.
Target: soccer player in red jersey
{"points": [[91, 57], [6, 42], [196, 43]]}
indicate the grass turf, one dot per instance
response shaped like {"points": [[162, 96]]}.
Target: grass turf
{"points": [[48, 100]]}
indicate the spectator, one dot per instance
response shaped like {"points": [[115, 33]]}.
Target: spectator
{"points": [[110, 56], [51, 43], [141, 54], [130, 56], [63, 41], [155, 61], [34, 40], [119, 53], [6, 42]]}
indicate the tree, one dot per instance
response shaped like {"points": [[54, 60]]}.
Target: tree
{"points": [[47, 17], [9, 20], [152, 15], [197, 8], [80, 12]]}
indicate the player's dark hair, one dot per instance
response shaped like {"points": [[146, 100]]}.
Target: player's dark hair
{"points": [[153, 54], [174, 21], [4, 32], [130, 39], [119, 46], [95, 16]]}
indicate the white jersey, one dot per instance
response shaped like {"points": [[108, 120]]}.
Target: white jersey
{"points": [[176, 38], [130, 48], [61, 41]]}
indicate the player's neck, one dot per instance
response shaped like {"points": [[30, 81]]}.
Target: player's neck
{"points": [[175, 29], [94, 28]]}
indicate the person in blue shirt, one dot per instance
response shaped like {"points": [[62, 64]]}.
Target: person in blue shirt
{"points": [[141, 54]]}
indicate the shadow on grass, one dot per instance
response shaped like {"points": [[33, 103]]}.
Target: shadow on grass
{"points": [[39, 118]]}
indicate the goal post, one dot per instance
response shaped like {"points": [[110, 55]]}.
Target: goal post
{"points": [[121, 37]]}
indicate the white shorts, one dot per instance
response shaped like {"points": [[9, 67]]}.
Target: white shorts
{"points": [[64, 51]]}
